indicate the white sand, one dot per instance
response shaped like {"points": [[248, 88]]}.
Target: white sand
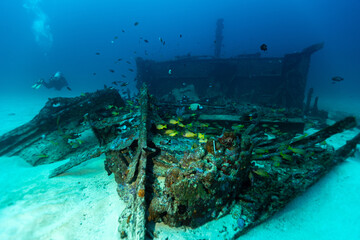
{"points": [[83, 204]]}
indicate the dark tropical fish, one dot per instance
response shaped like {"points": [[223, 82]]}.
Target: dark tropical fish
{"points": [[123, 30], [114, 82], [105, 86], [123, 75], [112, 70], [97, 53], [116, 37], [162, 40], [147, 41], [68, 88], [136, 23], [263, 47], [131, 70], [180, 35], [337, 79], [119, 59], [128, 62], [124, 84]]}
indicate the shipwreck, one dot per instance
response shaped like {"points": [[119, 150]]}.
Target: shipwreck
{"points": [[184, 154]]}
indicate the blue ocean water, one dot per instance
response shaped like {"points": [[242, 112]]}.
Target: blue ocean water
{"points": [[40, 37]]}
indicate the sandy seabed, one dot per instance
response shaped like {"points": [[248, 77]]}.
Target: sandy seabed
{"points": [[83, 203]]}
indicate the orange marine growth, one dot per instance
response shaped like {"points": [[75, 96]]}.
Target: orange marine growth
{"points": [[141, 193]]}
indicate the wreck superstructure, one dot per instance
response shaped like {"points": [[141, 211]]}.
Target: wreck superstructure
{"points": [[279, 81]]}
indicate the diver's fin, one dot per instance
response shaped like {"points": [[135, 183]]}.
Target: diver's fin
{"points": [[38, 84]]}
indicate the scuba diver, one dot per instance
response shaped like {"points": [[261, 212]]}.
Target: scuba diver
{"points": [[57, 81]]}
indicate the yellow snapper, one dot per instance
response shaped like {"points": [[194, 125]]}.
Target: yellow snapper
{"points": [[171, 133], [189, 134], [201, 136], [161, 126], [173, 121], [204, 125], [261, 172]]}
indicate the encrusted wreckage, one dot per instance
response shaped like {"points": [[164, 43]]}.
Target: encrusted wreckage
{"points": [[185, 169], [60, 129], [184, 181]]}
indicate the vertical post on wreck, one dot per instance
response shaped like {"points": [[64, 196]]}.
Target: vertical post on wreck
{"points": [[315, 107], [132, 222], [218, 37], [308, 101]]}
